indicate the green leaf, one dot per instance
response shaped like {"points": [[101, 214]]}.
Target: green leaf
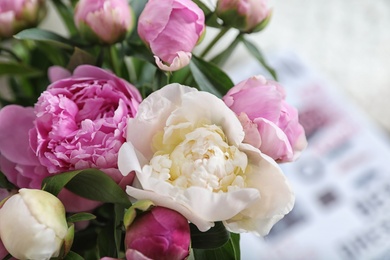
{"points": [[259, 56], [139, 50], [109, 239], [215, 237], [73, 256], [210, 77], [89, 183], [138, 6], [40, 35], [80, 217], [80, 57], [105, 242], [229, 251], [4, 183], [66, 13], [17, 69], [119, 211]]}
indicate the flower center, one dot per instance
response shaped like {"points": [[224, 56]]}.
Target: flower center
{"points": [[202, 158]]}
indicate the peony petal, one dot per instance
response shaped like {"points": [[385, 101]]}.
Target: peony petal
{"points": [[275, 144], [167, 202], [57, 73], [157, 11], [225, 118], [263, 101], [252, 135], [129, 159], [151, 117], [17, 121], [180, 61], [277, 197], [135, 255]]}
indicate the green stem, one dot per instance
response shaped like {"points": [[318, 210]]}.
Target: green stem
{"points": [[114, 60], [169, 74], [214, 41]]}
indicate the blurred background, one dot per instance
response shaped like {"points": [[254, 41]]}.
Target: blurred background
{"points": [[346, 41]]}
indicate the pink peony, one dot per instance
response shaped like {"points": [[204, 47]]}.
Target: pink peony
{"points": [[104, 21], [16, 15], [269, 122], [78, 122], [160, 233], [171, 29], [245, 15]]}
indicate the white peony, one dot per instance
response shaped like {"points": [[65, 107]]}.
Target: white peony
{"points": [[186, 149]]}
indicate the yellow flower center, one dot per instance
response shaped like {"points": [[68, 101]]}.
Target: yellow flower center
{"points": [[187, 156]]}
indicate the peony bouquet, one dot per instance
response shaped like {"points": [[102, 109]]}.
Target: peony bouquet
{"points": [[125, 139]]}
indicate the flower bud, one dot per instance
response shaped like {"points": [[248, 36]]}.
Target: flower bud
{"points": [[157, 233], [16, 15], [104, 21], [33, 225], [245, 15], [270, 123], [171, 29]]}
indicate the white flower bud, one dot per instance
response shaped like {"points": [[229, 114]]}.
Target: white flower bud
{"points": [[33, 225]]}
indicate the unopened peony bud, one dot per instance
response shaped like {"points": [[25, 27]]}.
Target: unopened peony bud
{"points": [[157, 233], [171, 29], [104, 21], [16, 15], [33, 225], [246, 15], [269, 122]]}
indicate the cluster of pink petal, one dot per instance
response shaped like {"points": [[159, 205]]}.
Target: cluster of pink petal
{"points": [[80, 125]]}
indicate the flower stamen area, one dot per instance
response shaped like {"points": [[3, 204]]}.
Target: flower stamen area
{"points": [[203, 158]]}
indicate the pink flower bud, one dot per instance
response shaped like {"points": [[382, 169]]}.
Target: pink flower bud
{"points": [[104, 21], [3, 251], [269, 122], [171, 28], [245, 15], [158, 233], [16, 15]]}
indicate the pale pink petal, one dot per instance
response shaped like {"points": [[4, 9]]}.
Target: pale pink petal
{"points": [[57, 72], [180, 61], [132, 254], [16, 121], [274, 141]]}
